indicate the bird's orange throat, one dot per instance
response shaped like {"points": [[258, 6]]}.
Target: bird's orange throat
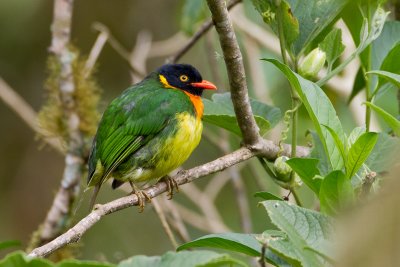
{"points": [[197, 103]]}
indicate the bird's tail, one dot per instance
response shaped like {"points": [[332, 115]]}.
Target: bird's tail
{"points": [[94, 196]]}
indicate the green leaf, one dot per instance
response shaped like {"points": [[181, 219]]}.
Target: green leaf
{"points": [[359, 84], [279, 243], [318, 152], [389, 119], [269, 12], [307, 169], [391, 77], [183, 258], [320, 110], [194, 11], [220, 112], [336, 191], [267, 196], [333, 46], [304, 228], [20, 259], [384, 154], [313, 17], [390, 62], [359, 152], [237, 242], [339, 143], [387, 40], [354, 135], [10, 244], [243, 243]]}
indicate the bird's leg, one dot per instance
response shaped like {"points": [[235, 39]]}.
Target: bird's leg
{"points": [[142, 196], [171, 185]]}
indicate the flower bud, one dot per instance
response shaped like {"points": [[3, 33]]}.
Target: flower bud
{"points": [[312, 63], [282, 169]]}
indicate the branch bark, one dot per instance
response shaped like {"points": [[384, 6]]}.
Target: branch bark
{"points": [[236, 74], [56, 217], [75, 233]]}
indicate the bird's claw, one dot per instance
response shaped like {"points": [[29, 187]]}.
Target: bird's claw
{"points": [[141, 195], [171, 185], [142, 198]]}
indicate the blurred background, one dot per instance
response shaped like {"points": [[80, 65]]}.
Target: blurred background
{"points": [[30, 173]]}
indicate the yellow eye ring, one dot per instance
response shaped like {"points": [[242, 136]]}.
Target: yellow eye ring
{"points": [[183, 78]]}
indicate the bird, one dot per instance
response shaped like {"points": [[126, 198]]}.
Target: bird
{"points": [[149, 130]]}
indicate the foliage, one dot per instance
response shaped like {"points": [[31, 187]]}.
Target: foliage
{"points": [[344, 165]]}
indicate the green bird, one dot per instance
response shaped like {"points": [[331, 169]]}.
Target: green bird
{"points": [[149, 130]]}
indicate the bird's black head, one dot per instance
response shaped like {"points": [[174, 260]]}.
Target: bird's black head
{"points": [[184, 77]]}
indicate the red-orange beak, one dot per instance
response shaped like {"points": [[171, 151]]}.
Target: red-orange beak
{"points": [[205, 85]]}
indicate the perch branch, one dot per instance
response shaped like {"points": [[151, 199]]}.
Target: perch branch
{"points": [[75, 233], [236, 74]]}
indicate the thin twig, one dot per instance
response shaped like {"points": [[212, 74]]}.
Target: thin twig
{"points": [[122, 51], [206, 206], [95, 52], [139, 54], [176, 221], [164, 223], [203, 29], [75, 233], [236, 74], [17, 104]]}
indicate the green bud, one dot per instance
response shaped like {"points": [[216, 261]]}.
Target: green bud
{"points": [[282, 169], [312, 63]]}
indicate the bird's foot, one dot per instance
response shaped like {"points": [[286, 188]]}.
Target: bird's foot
{"points": [[141, 195], [171, 185]]}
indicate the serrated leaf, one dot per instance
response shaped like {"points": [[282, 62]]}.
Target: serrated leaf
{"points": [[333, 47], [307, 169], [336, 191], [389, 119], [303, 227], [220, 112], [359, 152], [183, 258], [320, 110], [267, 196]]}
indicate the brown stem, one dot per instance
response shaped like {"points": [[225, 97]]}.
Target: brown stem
{"points": [[236, 74]]}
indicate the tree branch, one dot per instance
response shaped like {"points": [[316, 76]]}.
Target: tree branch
{"points": [[75, 233], [203, 29], [56, 217], [236, 74]]}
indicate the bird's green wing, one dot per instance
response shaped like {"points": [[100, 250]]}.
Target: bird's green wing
{"points": [[129, 122]]}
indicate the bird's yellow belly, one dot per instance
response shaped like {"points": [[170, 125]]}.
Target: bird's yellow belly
{"points": [[175, 149]]}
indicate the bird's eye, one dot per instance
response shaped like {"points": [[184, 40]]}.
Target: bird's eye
{"points": [[183, 78]]}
